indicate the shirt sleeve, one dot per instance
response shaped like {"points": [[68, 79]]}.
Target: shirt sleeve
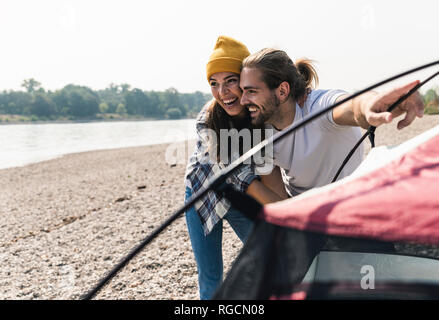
{"points": [[324, 99], [330, 99], [242, 177]]}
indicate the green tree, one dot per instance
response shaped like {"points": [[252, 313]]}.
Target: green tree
{"points": [[121, 109], [42, 106], [194, 102], [137, 103], [124, 87], [31, 85], [173, 113], [156, 103], [111, 96], [431, 101], [78, 101], [172, 100], [17, 102], [103, 107], [431, 97]]}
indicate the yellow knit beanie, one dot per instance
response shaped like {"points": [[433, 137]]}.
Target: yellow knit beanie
{"points": [[227, 56]]}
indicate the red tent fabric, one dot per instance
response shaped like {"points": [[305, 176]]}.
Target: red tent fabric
{"points": [[398, 202]]}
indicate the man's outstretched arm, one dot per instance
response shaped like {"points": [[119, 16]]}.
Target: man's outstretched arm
{"points": [[370, 108]]}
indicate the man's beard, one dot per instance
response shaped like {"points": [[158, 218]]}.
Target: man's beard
{"points": [[266, 111]]}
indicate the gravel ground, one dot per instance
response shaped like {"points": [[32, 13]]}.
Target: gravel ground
{"points": [[68, 221]]}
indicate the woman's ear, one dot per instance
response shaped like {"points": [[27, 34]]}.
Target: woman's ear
{"points": [[283, 91]]}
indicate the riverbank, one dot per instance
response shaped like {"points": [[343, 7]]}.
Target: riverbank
{"points": [[66, 222], [19, 119]]}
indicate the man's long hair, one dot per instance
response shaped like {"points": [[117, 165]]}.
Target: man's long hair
{"points": [[277, 67]]}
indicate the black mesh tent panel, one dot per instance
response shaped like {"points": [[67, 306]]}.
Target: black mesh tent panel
{"points": [[275, 259]]}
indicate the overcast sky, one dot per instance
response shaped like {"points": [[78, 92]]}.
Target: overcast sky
{"points": [[154, 45]]}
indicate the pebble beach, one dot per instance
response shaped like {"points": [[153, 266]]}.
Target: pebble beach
{"points": [[64, 223]]}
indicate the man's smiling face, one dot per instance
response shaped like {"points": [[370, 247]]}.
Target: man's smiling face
{"points": [[257, 97]]}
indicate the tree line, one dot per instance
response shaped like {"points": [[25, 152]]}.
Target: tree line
{"points": [[74, 102], [431, 101]]}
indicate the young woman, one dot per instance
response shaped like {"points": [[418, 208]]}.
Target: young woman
{"points": [[204, 219]]}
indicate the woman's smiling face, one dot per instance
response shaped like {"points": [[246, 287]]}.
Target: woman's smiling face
{"points": [[226, 91]]}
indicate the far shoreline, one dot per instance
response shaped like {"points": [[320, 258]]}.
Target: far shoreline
{"points": [[25, 122]]}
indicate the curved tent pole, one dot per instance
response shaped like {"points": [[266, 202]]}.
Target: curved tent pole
{"points": [[219, 179]]}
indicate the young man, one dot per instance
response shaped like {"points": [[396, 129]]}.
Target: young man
{"points": [[277, 92]]}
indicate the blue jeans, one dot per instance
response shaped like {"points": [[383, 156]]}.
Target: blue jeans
{"points": [[208, 249]]}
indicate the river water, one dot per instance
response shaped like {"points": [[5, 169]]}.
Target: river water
{"points": [[23, 144]]}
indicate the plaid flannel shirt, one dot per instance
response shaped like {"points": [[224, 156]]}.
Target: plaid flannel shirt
{"points": [[200, 169]]}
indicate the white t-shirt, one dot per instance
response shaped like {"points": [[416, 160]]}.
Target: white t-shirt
{"points": [[311, 156]]}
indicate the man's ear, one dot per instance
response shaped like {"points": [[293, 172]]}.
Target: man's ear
{"points": [[283, 91]]}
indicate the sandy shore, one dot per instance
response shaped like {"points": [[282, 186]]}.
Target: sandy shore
{"points": [[66, 222]]}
